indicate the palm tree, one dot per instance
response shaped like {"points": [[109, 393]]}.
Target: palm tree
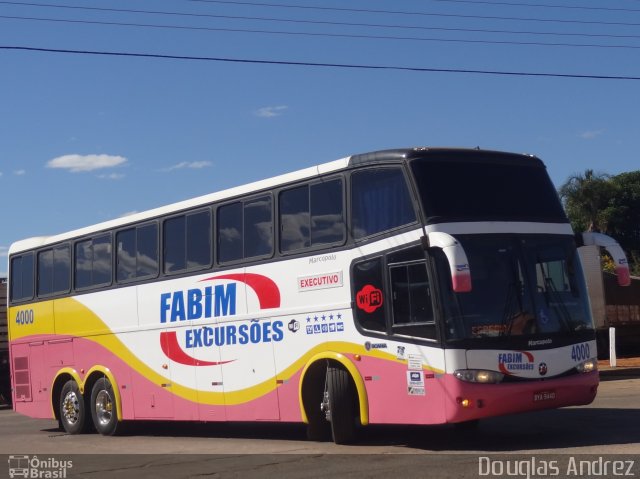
{"points": [[586, 199]]}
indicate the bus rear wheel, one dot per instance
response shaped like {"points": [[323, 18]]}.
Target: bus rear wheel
{"points": [[338, 405], [73, 417], [103, 407]]}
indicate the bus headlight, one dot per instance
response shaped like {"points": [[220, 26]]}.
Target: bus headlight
{"points": [[478, 376], [588, 366]]}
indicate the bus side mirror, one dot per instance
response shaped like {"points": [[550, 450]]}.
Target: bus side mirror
{"points": [[456, 256], [616, 252]]}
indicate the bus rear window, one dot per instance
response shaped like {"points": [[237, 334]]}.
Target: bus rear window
{"points": [[22, 276]]}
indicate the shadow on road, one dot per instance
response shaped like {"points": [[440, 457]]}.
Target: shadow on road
{"points": [[563, 428]]}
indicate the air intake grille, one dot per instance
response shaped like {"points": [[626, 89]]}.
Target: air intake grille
{"points": [[22, 379]]}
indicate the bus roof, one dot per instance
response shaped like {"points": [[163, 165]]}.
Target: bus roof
{"points": [[382, 156]]}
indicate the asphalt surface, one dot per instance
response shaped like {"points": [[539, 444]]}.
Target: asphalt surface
{"points": [[605, 430]]}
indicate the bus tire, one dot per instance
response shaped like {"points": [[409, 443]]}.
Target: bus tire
{"points": [[339, 399], [104, 408], [318, 429], [73, 417]]}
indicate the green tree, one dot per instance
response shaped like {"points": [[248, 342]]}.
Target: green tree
{"points": [[608, 204], [586, 198], [624, 221]]}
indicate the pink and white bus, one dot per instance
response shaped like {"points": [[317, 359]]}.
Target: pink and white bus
{"points": [[412, 286]]}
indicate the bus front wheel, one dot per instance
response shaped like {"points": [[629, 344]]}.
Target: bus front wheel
{"points": [[72, 410], [103, 407], [338, 404]]}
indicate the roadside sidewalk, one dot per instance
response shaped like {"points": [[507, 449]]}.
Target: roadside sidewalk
{"points": [[625, 368]]}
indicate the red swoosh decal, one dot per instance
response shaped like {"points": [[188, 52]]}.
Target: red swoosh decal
{"points": [[504, 370], [171, 348], [266, 290]]}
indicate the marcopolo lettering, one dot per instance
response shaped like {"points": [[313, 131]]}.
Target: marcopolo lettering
{"points": [[198, 303]]}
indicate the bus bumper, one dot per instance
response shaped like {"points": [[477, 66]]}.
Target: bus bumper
{"points": [[469, 401]]}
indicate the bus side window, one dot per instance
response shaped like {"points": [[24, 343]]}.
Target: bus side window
{"points": [[147, 250], [187, 242], [258, 227], [44, 284], [93, 262], [126, 255], [245, 230], [294, 219], [137, 252], [312, 215], [230, 233], [62, 269], [380, 201], [198, 242], [327, 214]]}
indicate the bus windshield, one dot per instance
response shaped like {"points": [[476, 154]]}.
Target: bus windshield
{"points": [[522, 285], [501, 189]]}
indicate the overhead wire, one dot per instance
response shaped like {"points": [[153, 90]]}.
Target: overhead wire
{"points": [[539, 5], [319, 64], [326, 35], [320, 34], [417, 13], [305, 21]]}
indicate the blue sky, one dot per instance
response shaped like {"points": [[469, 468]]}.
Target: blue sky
{"points": [[86, 138]]}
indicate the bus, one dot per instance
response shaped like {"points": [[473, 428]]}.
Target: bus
{"points": [[410, 286]]}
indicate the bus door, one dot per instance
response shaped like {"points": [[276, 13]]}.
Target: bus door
{"points": [[394, 303]]}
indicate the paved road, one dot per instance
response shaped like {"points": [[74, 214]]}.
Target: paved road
{"points": [[611, 425]]}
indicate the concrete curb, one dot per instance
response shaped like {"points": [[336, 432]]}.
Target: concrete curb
{"points": [[619, 373]]}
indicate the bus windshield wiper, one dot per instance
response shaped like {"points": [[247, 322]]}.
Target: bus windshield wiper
{"points": [[510, 312], [516, 319], [557, 303]]}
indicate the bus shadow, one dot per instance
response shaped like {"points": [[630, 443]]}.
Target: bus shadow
{"points": [[554, 429], [550, 430]]}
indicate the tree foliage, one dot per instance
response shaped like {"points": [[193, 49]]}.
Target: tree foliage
{"points": [[607, 204]]}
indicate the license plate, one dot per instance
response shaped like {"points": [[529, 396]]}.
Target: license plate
{"points": [[544, 396]]}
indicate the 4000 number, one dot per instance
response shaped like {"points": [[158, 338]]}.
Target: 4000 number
{"points": [[580, 352], [24, 317]]}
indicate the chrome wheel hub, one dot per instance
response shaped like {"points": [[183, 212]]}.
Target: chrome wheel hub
{"points": [[104, 408], [71, 408]]}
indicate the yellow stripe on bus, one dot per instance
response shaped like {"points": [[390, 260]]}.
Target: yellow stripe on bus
{"points": [[75, 319]]}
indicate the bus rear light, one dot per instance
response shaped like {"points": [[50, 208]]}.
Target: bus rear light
{"points": [[478, 376], [588, 366]]}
